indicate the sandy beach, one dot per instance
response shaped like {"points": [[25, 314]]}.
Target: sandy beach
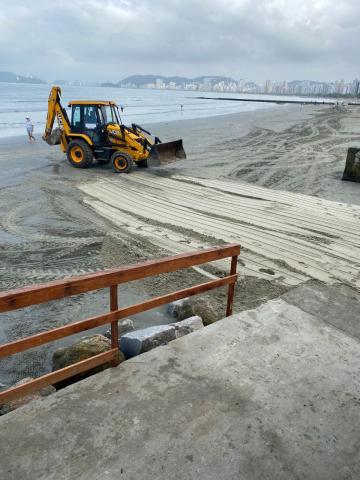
{"points": [[57, 221], [292, 148]]}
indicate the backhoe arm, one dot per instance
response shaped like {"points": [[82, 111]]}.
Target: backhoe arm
{"points": [[56, 110]]}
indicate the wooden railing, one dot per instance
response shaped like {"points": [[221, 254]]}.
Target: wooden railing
{"points": [[32, 295]]}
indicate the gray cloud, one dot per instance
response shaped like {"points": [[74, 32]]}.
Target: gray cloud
{"points": [[109, 39]]}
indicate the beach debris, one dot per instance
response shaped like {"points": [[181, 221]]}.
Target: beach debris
{"points": [[352, 165], [85, 348], [20, 401]]}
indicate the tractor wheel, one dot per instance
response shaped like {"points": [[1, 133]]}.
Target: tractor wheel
{"points": [[121, 162], [79, 154], [142, 163]]}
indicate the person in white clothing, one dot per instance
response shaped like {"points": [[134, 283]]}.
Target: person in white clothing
{"points": [[30, 130]]}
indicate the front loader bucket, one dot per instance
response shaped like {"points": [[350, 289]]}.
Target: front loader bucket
{"points": [[167, 152], [54, 138], [352, 166]]}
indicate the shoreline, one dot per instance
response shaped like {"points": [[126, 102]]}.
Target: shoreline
{"points": [[237, 115]]}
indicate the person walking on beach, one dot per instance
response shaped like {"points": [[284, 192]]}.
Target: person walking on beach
{"points": [[30, 130]]}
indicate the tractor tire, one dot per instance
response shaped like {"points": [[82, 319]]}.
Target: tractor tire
{"points": [[79, 154], [142, 163], [121, 162]]}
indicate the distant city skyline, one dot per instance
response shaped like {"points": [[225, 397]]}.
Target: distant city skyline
{"points": [[208, 83], [230, 85]]}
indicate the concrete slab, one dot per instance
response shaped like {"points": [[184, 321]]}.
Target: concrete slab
{"points": [[338, 305], [272, 393]]}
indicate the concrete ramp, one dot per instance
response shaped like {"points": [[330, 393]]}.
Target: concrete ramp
{"points": [[272, 393]]}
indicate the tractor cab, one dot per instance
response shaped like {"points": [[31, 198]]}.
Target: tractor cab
{"points": [[94, 119]]}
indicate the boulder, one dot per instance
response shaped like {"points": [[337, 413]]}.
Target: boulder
{"points": [[19, 402], [140, 341], [188, 307], [187, 326], [124, 326], [204, 309], [85, 348], [180, 309]]}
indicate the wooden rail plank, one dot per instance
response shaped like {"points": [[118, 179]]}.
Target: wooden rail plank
{"points": [[61, 332], [24, 297], [57, 376]]}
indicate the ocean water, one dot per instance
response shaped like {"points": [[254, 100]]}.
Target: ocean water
{"points": [[140, 105]]}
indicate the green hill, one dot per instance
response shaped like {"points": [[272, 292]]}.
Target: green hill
{"points": [[9, 77]]}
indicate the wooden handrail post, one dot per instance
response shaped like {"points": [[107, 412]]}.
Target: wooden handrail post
{"points": [[231, 287], [114, 324]]}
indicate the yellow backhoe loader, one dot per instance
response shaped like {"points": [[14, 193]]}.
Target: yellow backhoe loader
{"points": [[96, 131]]}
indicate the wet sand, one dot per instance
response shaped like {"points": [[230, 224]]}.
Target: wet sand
{"points": [[49, 230], [292, 148]]}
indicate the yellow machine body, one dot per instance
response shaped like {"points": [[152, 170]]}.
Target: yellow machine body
{"points": [[95, 131]]}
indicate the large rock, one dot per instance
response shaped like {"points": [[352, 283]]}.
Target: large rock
{"points": [[204, 309], [188, 307], [141, 341], [19, 402], [85, 348], [187, 326], [124, 326], [180, 309]]}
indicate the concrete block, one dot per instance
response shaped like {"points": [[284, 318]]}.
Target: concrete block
{"points": [[187, 326], [140, 341]]}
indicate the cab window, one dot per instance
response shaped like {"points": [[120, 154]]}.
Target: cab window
{"points": [[91, 119], [76, 116], [109, 114]]}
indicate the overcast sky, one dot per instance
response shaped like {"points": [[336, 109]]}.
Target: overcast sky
{"points": [[100, 40]]}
